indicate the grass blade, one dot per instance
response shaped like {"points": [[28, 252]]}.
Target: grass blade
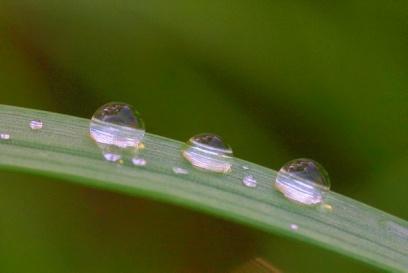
{"points": [[63, 149]]}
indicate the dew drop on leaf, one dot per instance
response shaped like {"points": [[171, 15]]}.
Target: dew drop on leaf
{"points": [[294, 227], [117, 126], [208, 152], [137, 161], [36, 124], [249, 181], [304, 181], [179, 170], [5, 136], [110, 156]]}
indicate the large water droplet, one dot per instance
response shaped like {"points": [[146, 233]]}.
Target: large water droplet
{"points": [[208, 152], [304, 181], [117, 127], [249, 181], [36, 124], [117, 124]]}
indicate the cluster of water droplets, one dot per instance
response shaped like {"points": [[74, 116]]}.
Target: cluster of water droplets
{"points": [[5, 136], [34, 124], [118, 129]]}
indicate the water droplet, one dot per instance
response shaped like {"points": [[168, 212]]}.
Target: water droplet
{"points": [[117, 124], [137, 161], [5, 136], [111, 156], [111, 153], [245, 167], [117, 127], [36, 124], [327, 207], [304, 181], [208, 152], [294, 227], [249, 181], [179, 170]]}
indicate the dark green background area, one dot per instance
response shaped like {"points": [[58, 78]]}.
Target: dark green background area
{"points": [[277, 79]]}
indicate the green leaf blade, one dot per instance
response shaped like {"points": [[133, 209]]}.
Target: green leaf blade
{"points": [[64, 149]]}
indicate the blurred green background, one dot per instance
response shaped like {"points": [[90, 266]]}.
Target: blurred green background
{"points": [[277, 79]]}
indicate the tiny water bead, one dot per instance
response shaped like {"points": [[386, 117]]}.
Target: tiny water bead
{"points": [[5, 136], [111, 154], [179, 170], [36, 124], [208, 152], [117, 124], [137, 161], [327, 208], [304, 181], [249, 181], [294, 227]]}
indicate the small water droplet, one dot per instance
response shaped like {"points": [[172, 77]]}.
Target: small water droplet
{"points": [[111, 153], [294, 227], [111, 156], [208, 152], [137, 161], [327, 207], [36, 124], [304, 181], [245, 167], [179, 170], [5, 136], [249, 181]]}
